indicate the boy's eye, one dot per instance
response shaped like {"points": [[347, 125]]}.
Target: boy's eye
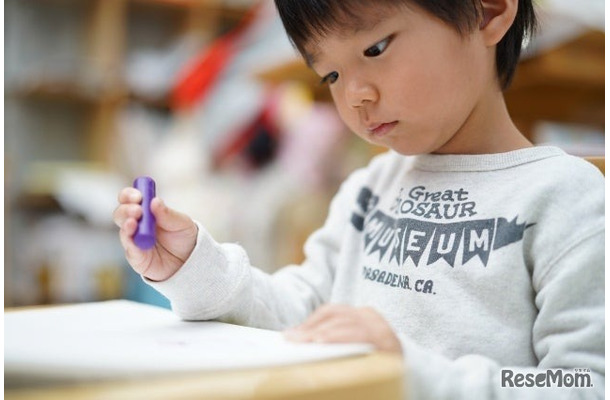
{"points": [[378, 48], [330, 78]]}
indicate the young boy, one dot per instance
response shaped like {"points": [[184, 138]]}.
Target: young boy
{"points": [[477, 256]]}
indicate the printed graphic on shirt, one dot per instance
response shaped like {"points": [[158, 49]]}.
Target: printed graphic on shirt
{"points": [[396, 238]]}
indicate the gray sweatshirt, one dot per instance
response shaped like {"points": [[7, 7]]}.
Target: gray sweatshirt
{"points": [[490, 269]]}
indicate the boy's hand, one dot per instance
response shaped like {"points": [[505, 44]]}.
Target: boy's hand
{"points": [[346, 324], [176, 236]]}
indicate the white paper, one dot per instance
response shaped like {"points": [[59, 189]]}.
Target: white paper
{"points": [[119, 339]]}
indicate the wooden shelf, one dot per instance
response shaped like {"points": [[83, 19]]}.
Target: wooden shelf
{"points": [[565, 84], [73, 93], [159, 103], [216, 6], [296, 71], [67, 91], [37, 202], [579, 63]]}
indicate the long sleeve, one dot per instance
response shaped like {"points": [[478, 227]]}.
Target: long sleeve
{"points": [[218, 282], [489, 268]]}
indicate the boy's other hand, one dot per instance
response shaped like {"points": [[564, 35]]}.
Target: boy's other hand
{"points": [[346, 324], [176, 236]]}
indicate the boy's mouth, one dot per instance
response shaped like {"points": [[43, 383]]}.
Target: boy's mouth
{"points": [[381, 129]]}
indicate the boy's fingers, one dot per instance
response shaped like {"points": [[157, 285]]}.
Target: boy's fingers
{"points": [[134, 255], [129, 200], [168, 218], [126, 234], [336, 330], [129, 226], [322, 314], [339, 334], [130, 195], [313, 320], [126, 211]]}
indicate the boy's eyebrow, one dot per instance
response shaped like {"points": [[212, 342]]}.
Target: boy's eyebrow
{"points": [[357, 25]]}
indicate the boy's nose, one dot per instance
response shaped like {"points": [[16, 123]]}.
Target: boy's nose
{"points": [[358, 92]]}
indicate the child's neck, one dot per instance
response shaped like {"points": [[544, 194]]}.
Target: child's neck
{"points": [[488, 129]]}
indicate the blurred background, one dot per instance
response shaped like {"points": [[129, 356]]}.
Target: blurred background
{"points": [[209, 98]]}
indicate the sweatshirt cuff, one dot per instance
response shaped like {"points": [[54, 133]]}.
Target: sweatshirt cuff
{"points": [[210, 273]]}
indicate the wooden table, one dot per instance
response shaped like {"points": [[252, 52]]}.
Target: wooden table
{"points": [[376, 376]]}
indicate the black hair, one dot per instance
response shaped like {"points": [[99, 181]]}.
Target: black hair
{"points": [[308, 19]]}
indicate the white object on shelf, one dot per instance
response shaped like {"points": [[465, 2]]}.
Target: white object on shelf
{"points": [[563, 20], [574, 139]]}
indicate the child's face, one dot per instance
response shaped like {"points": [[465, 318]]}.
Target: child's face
{"points": [[409, 82]]}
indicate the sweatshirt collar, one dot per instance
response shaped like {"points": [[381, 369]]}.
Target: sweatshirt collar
{"points": [[484, 162]]}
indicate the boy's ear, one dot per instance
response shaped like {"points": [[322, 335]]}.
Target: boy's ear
{"points": [[498, 17]]}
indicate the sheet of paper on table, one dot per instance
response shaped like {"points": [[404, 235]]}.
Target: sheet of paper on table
{"points": [[124, 339]]}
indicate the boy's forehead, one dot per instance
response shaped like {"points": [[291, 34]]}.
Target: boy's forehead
{"points": [[344, 27]]}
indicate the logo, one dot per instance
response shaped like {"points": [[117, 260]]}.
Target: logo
{"points": [[394, 239], [579, 378]]}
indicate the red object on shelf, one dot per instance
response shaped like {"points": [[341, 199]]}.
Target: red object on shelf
{"points": [[256, 142], [196, 79]]}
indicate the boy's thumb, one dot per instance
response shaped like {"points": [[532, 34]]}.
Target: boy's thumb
{"points": [[168, 218]]}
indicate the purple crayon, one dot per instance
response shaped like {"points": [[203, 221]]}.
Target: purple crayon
{"points": [[145, 236]]}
